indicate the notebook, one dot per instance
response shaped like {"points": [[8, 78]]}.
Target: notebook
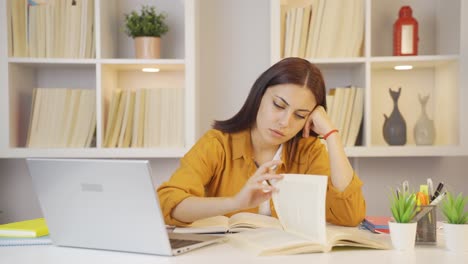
{"points": [[26, 228], [21, 241], [106, 204]]}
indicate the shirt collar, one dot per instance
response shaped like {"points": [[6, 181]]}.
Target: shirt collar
{"points": [[242, 146]]}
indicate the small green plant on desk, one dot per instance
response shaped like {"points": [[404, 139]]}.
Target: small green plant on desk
{"points": [[453, 209], [403, 206]]}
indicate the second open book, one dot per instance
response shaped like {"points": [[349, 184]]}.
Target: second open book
{"points": [[301, 228]]}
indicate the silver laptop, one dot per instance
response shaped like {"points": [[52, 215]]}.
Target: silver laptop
{"points": [[106, 204]]}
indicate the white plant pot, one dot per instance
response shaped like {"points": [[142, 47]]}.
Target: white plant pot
{"points": [[456, 237], [403, 235]]}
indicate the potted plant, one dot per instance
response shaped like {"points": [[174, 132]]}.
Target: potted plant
{"points": [[402, 230], [146, 28], [456, 227]]}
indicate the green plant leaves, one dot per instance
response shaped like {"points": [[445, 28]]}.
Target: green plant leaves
{"points": [[146, 24], [403, 206], [453, 209]]}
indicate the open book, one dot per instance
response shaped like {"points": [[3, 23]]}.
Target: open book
{"points": [[270, 241], [300, 204], [236, 223]]}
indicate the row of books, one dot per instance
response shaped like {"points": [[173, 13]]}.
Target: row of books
{"points": [[145, 118], [52, 28], [62, 117], [324, 29], [346, 108]]}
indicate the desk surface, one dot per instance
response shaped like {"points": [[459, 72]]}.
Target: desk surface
{"points": [[225, 254]]}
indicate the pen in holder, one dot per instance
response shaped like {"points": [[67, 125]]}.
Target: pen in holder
{"points": [[426, 231]]}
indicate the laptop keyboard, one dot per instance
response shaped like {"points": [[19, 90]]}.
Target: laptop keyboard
{"points": [[178, 243]]}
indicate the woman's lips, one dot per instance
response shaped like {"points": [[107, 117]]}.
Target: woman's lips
{"points": [[276, 133]]}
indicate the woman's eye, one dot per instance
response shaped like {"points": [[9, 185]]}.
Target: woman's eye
{"points": [[278, 106], [300, 116]]}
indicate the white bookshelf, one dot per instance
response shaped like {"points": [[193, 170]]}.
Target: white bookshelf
{"points": [[438, 71], [113, 67]]}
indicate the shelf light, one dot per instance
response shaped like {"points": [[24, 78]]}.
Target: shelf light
{"points": [[150, 70], [403, 67]]}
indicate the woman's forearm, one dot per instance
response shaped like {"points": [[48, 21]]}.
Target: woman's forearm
{"points": [[194, 208], [341, 169]]}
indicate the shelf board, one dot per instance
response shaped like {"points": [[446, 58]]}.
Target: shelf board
{"points": [[406, 151], [337, 61], [94, 152], [44, 61], [416, 61], [135, 64]]}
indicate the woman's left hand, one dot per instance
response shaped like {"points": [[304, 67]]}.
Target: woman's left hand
{"points": [[318, 121]]}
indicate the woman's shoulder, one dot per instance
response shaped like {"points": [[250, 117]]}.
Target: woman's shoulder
{"points": [[220, 135], [214, 136]]}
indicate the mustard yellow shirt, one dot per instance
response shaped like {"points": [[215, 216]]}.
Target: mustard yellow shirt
{"points": [[219, 165]]}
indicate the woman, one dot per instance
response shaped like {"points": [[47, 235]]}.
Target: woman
{"points": [[276, 131]]}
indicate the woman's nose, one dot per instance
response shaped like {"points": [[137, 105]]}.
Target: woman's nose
{"points": [[285, 119]]}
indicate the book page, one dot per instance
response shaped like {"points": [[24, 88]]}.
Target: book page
{"points": [[353, 236], [300, 205], [244, 220], [215, 224], [270, 241]]}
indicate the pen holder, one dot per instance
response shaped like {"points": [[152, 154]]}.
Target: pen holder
{"points": [[426, 231]]}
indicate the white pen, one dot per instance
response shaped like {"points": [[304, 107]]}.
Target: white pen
{"points": [[438, 199]]}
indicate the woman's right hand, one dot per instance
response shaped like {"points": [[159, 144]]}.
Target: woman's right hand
{"points": [[255, 191]]}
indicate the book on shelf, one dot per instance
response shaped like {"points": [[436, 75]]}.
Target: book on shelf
{"points": [[289, 32], [115, 129], [139, 118], [345, 107], [52, 28], [355, 120], [300, 204], [236, 223], [348, 110], [376, 224], [304, 30], [61, 117], [127, 121], [112, 115], [19, 25], [297, 31], [323, 29], [24, 229], [314, 28]]}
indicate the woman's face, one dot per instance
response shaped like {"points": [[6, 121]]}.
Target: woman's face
{"points": [[283, 112]]}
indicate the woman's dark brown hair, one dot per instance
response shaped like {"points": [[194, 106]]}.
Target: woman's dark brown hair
{"points": [[287, 71]]}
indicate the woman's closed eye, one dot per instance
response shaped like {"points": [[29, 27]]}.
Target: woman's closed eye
{"points": [[278, 105], [297, 115], [300, 116]]}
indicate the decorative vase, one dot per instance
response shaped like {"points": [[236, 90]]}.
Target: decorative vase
{"points": [[147, 47], [424, 131], [394, 128], [456, 237], [403, 235]]}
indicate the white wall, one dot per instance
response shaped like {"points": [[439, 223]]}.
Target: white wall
{"points": [[234, 41]]}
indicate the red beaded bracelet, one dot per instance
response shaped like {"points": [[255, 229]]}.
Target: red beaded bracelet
{"points": [[329, 133]]}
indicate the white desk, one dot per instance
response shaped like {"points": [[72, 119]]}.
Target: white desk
{"points": [[226, 254]]}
